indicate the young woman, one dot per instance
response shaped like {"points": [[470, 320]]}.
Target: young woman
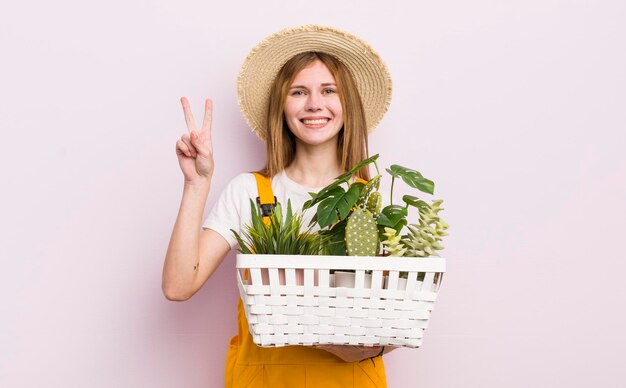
{"points": [[312, 94]]}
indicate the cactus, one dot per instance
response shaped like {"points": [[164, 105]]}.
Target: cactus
{"points": [[361, 234], [392, 244], [366, 190], [423, 239], [374, 203]]}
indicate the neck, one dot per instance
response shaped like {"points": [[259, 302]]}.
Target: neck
{"points": [[315, 166]]}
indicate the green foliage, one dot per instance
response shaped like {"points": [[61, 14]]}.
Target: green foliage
{"points": [[336, 239], [336, 206], [412, 178], [414, 201], [351, 220], [393, 216], [341, 179], [283, 235], [341, 200]]}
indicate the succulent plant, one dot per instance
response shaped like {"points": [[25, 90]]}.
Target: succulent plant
{"points": [[423, 239], [361, 234], [393, 244]]}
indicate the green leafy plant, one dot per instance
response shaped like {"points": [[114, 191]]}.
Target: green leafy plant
{"points": [[346, 211], [282, 236]]}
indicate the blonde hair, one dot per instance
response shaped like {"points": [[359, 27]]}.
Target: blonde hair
{"points": [[352, 144]]}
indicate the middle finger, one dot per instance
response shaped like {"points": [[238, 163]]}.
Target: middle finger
{"points": [[191, 125], [208, 115]]}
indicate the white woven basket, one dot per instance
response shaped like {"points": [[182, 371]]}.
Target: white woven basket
{"points": [[294, 300]]}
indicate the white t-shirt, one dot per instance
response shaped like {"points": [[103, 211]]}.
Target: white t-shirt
{"points": [[232, 209]]}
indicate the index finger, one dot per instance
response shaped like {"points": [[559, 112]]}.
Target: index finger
{"points": [[191, 126], [208, 115]]}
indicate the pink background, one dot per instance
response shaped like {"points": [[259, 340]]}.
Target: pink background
{"points": [[515, 109]]}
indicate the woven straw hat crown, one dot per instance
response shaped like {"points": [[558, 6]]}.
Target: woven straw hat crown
{"points": [[265, 61]]}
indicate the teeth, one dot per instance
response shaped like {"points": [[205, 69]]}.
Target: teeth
{"points": [[314, 122]]}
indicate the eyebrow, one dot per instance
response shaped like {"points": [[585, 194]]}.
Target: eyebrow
{"points": [[304, 87]]}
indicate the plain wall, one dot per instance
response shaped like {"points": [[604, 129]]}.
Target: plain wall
{"points": [[514, 108]]}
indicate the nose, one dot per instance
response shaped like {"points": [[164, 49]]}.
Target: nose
{"points": [[313, 103]]}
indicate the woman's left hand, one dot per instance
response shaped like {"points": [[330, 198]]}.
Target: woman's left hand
{"points": [[350, 353]]}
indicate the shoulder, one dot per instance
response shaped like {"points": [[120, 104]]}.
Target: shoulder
{"points": [[239, 189], [243, 181]]}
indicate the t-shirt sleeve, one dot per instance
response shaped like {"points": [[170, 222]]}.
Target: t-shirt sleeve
{"points": [[232, 209]]}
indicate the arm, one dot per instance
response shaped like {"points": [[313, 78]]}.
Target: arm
{"points": [[192, 256]]}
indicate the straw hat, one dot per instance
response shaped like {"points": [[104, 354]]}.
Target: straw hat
{"points": [[268, 57]]}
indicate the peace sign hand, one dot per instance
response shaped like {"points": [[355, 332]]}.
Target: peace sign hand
{"points": [[195, 148]]}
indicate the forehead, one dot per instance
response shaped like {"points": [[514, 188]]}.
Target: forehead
{"points": [[314, 73]]}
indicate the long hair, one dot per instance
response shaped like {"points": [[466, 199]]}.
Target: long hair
{"points": [[352, 144]]}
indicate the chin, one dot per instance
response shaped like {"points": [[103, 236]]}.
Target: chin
{"points": [[317, 141]]}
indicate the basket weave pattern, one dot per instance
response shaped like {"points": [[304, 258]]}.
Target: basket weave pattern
{"points": [[296, 300]]}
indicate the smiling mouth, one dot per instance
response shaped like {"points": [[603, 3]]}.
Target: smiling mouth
{"points": [[315, 122]]}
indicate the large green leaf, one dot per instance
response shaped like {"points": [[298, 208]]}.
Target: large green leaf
{"points": [[391, 215], [336, 206], [412, 178], [336, 239], [346, 177], [398, 171], [341, 179], [414, 201]]}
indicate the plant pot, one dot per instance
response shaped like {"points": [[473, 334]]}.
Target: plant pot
{"points": [[299, 276], [348, 279]]}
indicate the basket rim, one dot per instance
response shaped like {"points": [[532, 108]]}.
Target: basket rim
{"points": [[381, 263]]}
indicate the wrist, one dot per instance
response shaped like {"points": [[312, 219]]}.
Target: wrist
{"points": [[201, 183], [198, 187]]}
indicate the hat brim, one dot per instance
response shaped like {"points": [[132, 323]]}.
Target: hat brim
{"points": [[265, 61]]}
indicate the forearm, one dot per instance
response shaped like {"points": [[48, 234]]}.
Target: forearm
{"points": [[182, 259]]}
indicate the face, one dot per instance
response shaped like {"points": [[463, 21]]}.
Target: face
{"points": [[312, 108]]}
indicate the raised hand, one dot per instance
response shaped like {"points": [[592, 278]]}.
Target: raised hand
{"points": [[195, 148]]}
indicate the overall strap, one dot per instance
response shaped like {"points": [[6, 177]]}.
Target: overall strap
{"points": [[266, 199]]}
